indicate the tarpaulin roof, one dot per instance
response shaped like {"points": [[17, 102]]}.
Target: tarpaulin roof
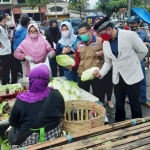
{"points": [[143, 14]]}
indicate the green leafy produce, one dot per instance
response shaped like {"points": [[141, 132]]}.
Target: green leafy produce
{"points": [[88, 74], [64, 94], [5, 145], [67, 86], [56, 84], [65, 60], [12, 87], [68, 89], [1, 141], [73, 97], [2, 105]]}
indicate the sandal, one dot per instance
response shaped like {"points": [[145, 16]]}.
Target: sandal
{"points": [[127, 101], [147, 104], [110, 105]]}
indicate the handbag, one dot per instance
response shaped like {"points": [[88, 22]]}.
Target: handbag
{"points": [[17, 137]]}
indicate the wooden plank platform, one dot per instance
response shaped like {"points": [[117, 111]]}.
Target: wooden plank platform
{"points": [[119, 136]]}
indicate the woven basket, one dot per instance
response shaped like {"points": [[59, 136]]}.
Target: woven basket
{"points": [[82, 115]]}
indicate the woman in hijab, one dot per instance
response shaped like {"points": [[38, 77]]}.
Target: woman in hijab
{"points": [[29, 104], [53, 36], [34, 48], [67, 45]]}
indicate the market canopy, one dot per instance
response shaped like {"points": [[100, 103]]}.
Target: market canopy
{"points": [[143, 14]]}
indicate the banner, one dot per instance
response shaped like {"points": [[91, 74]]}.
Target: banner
{"points": [[29, 10]]}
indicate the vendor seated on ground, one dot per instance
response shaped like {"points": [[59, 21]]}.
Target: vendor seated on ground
{"points": [[29, 104]]}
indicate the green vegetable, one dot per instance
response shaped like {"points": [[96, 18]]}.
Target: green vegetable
{"points": [[2, 105], [65, 60], [73, 97], [88, 74], [66, 85], [5, 145], [64, 94], [1, 141], [11, 87], [56, 84]]}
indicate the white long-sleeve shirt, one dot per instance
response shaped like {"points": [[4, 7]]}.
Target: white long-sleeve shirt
{"points": [[5, 42]]}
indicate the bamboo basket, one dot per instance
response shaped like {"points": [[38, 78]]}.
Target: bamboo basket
{"points": [[82, 115]]}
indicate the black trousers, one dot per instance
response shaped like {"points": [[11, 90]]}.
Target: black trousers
{"points": [[106, 86], [14, 69], [133, 92], [5, 63], [96, 87]]}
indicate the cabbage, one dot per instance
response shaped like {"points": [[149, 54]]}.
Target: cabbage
{"points": [[88, 74], [56, 84], [73, 97], [65, 60], [50, 84], [64, 94], [5, 145], [66, 85], [77, 92]]}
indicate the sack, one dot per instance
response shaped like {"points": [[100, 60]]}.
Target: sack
{"points": [[16, 137]]}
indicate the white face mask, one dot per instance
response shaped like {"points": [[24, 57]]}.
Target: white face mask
{"points": [[65, 34], [33, 35]]}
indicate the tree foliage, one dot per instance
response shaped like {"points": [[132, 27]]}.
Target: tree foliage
{"points": [[36, 3], [76, 4], [108, 7]]}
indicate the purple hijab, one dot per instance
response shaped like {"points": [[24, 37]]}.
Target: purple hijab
{"points": [[39, 78]]}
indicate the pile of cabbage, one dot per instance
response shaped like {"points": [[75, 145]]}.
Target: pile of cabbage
{"points": [[68, 89], [11, 87], [65, 60]]}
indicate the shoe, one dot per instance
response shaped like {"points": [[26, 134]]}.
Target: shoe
{"points": [[127, 100], [110, 105], [147, 104]]}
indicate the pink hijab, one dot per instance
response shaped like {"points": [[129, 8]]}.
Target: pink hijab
{"points": [[37, 47]]}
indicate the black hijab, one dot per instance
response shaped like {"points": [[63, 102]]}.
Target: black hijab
{"points": [[54, 32]]}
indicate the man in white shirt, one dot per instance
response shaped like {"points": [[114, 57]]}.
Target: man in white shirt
{"points": [[123, 50], [5, 49]]}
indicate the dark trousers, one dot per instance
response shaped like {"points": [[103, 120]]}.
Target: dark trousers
{"points": [[133, 92], [96, 87], [53, 65], [106, 86], [5, 63], [19, 67], [14, 69]]}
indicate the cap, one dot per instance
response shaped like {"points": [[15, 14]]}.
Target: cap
{"points": [[102, 24], [134, 19]]}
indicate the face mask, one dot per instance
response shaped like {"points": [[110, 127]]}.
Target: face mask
{"points": [[12, 28], [133, 28], [33, 35], [53, 28], [65, 34], [85, 37], [106, 36], [7, 23]]}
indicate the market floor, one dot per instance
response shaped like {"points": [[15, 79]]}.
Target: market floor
{"points": [[145, 110]]}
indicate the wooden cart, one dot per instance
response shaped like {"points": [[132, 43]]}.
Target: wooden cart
{"points": [[128, 135]]}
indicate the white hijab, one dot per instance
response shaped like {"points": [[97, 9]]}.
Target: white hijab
{"points": [[71, 38]]}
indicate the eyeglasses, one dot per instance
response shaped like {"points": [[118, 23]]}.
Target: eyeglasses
{"points": [[83, 33], [32, 32]]}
